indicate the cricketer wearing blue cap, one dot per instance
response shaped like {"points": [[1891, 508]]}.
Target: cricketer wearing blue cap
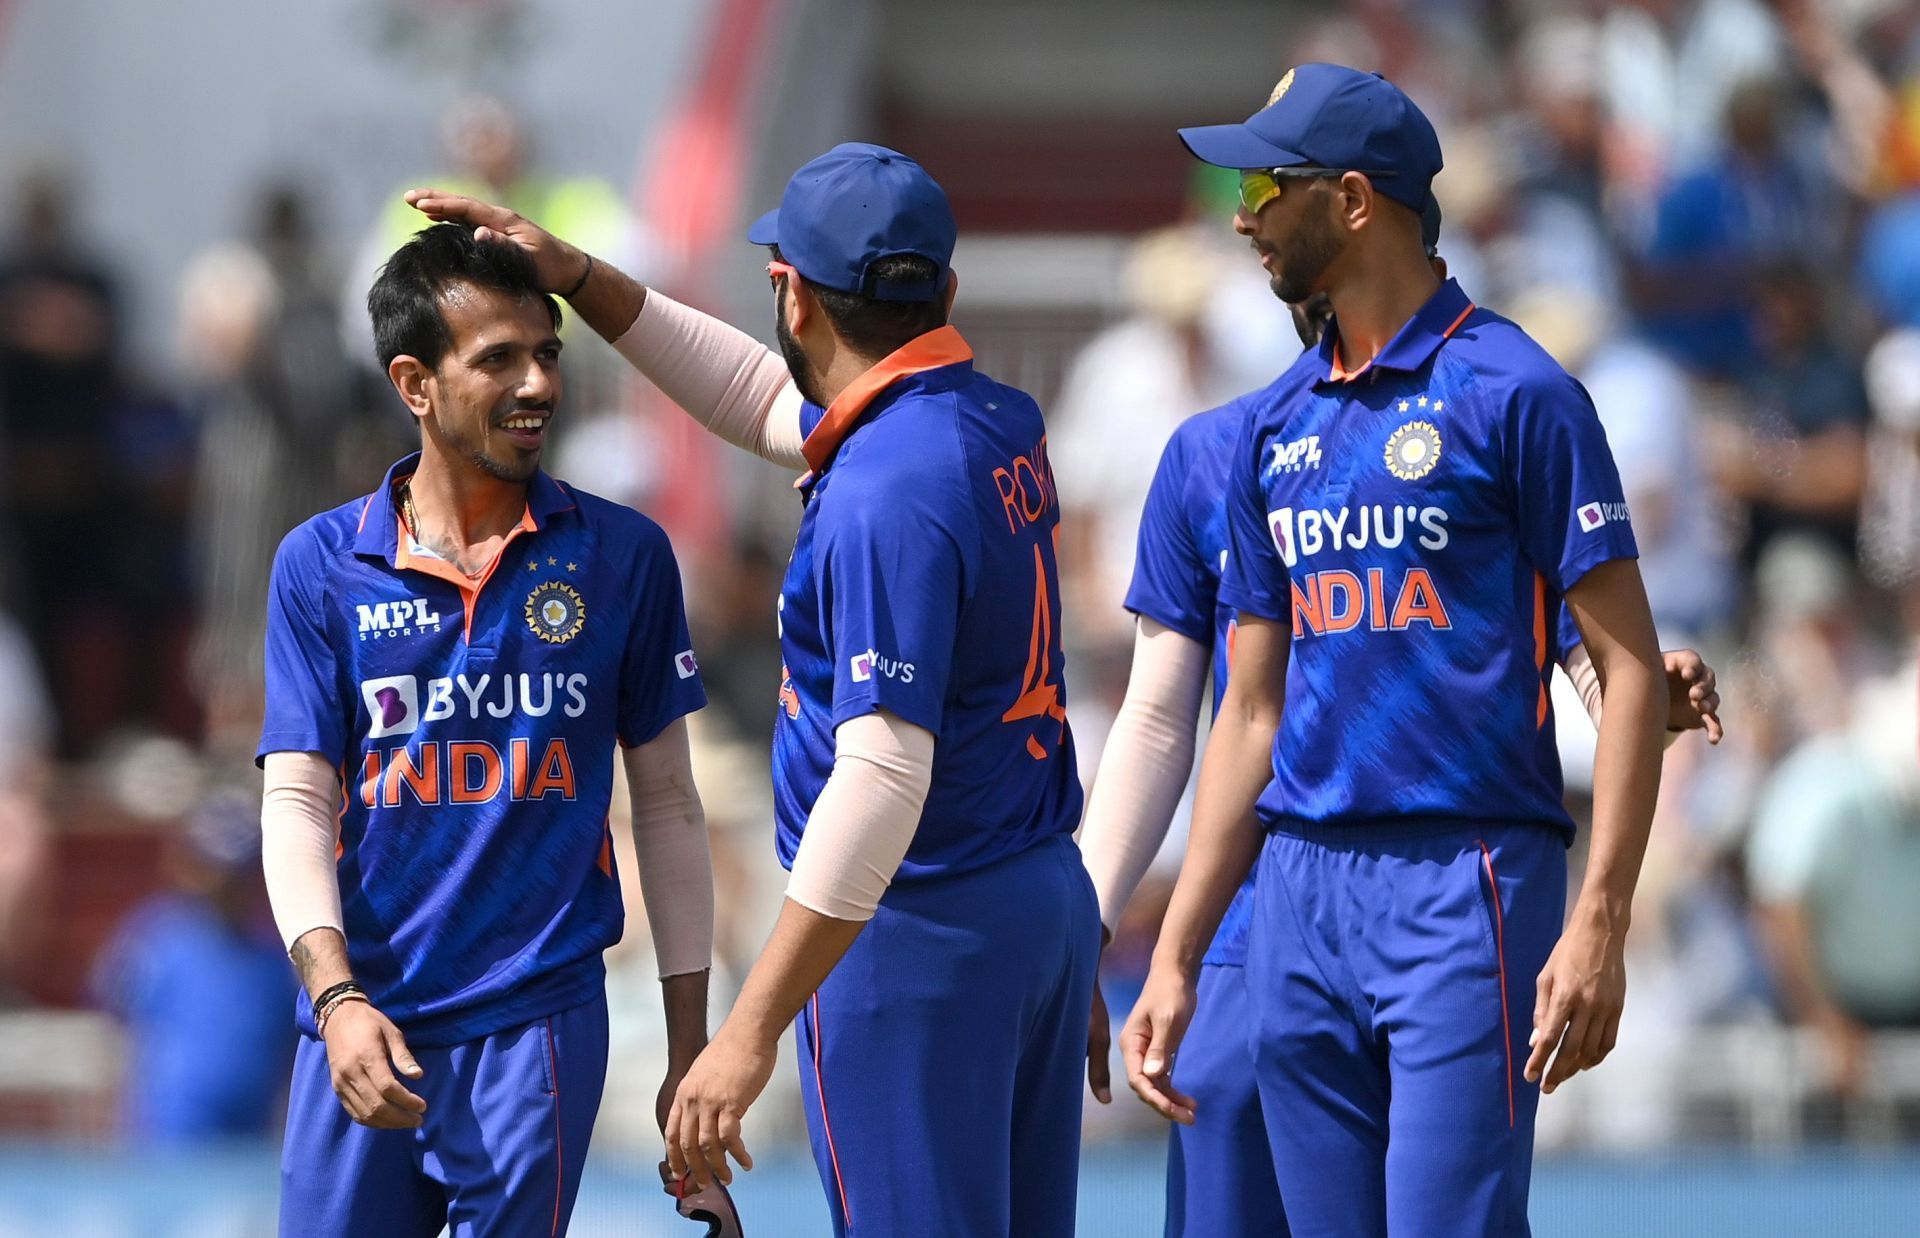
{"points": [[1405, 514], [1220, 1177], [939, 935]]}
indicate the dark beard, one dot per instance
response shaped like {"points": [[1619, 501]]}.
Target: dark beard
{"points": [[515, 471], [1305, 258], [795, 356]]}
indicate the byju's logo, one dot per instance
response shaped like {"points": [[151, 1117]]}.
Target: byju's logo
{"points": [[393, 703], [402, 618], [1593, 515], [684, 665], [870, 663]]}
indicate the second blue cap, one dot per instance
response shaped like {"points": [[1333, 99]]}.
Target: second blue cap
{"points": [[853, 206], [1330, 116]]}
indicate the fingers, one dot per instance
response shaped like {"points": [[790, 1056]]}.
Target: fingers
{"points": [[441, 207], [1609, 1037], [1572, 1056], [676, 1158], [402, 1056], [731, 1140], [1099, 1045], [1549, 1022], [1152, 1079], [1715, 731]]}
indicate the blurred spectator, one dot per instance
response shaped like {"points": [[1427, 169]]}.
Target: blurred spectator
{"points": [[1835, 866], [1890, 507], [94, 475], [1647, 408], [1795, 456], [197, 977], [1123, 396], [489, 156], [283, 432], [1750, 206], [26, 738], [1668, 68]]}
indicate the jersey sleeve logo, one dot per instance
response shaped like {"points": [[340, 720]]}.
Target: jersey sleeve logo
{"points": [[1413, 450], [684, 664], [556, 613]]}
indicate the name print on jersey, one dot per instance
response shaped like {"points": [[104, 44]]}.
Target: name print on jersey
{"points": [[1026, 488]]}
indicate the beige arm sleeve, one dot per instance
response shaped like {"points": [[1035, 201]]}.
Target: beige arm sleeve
{"points": [[299, 831], [863, 822], [1586, 680], [724, 378], [1144, 767], [670, 843]]}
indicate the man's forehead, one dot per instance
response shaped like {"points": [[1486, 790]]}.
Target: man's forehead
{"points": [[473, 313]]}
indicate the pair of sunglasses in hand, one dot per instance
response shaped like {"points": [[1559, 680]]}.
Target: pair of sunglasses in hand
{"points": [[713, 1205]]}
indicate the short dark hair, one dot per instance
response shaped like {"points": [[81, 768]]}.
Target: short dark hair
{"points": [[875, 328], [404, 302]]}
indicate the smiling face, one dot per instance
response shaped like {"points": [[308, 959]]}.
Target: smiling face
{"points": [[491, 400]]}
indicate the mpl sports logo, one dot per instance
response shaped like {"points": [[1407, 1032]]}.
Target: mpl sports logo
{"points": [[865, 665], [1593, 515], [1301, 453], [406, 617]]}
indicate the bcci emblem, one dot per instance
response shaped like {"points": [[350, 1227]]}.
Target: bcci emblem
{"points": [[555, 612], [1413, 450], [1286, 84]]}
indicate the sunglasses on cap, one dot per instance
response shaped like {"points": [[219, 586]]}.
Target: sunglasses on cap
{"points": [[1259, 186]]}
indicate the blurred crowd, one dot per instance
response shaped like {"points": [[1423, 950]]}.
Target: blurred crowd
{"points": [[1708, 210]]}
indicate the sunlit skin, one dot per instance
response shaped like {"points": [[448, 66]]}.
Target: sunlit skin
{"points": [[484, 412]]}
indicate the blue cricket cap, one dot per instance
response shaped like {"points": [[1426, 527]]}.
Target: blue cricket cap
{"points": [[1330, 116], [853, 206]]}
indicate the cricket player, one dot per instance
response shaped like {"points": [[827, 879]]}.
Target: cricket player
{"points": [[451, 663], [1405, 515], [1220, 1177], [939, 934]]}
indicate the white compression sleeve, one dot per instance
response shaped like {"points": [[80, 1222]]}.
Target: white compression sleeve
{"points": [[1144, 768], [1586, 680], [670, 843], [863, 822], [724, 378], [299, 829]]}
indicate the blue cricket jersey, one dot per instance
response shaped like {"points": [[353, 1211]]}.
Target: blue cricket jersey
{"points": [[1181, 553], [474, 724], [1418, 523], [923, 583]]}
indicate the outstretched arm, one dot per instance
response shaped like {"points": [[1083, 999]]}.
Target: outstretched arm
{"points": [[722, 377]]}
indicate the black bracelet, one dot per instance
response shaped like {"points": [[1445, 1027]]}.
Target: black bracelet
{"points": [[585, 275], [338, 990]]}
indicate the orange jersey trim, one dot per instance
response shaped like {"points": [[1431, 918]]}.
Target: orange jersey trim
{"points": [[939, 347]]}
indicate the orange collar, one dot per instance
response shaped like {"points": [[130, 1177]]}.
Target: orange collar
{"points": [[939, 347]]}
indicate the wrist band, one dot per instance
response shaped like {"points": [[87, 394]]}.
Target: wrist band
{"points": [[585, 275], [332, 991], [326, 1012]]}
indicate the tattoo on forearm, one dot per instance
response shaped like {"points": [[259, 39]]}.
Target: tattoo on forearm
{"points": [[304, 963]]}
